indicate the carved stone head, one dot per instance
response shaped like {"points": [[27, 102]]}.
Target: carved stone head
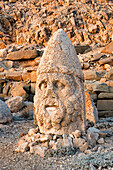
{"points": [[59, 100]]}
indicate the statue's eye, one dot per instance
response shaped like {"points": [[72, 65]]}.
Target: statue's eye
{"points": [[43, 85], [59, 85]]}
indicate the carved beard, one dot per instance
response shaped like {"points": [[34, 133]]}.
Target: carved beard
{"points": [[54, 113], [50, 113]]}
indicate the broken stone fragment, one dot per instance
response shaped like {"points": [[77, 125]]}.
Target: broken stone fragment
{"points": [[101, 141], [22, 147], [32, 131], [78, 142], [108, 49], [67, 141], [91, 110], [20, 142], [3, 53], [45, 138], [37, 149], [105, 105], [76, 134], [15, 103], [17, 90], [5, 113], [83, 147], [93, 136], [91, 75]]}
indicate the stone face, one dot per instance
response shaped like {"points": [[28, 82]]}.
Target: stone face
{"points": [[59, 100], [15, 103], [5, 113]]}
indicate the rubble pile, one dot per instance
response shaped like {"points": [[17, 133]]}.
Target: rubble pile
{"points": [[86, 22]]}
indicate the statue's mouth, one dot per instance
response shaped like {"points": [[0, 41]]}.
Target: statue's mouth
{"points": [[51, 109]]}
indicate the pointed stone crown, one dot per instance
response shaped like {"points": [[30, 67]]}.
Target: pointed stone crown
{"points": [[60, 56]]}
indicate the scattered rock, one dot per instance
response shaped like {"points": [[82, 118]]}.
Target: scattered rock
{"points": [[5, 113], [15, 104], [41, 151], [108, 49]]}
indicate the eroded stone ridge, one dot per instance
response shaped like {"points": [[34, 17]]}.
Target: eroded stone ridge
{"points": [[59, 100]]}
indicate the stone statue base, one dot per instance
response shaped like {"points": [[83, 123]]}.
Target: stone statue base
{"points": [[51, 145]]}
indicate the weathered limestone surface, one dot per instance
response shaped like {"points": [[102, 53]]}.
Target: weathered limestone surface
{"points": [[91, 110], [5, 113], [15, 104], [59, 100], [105, 105], [22, 54], [108, 49]]}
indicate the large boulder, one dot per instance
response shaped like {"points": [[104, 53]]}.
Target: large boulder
{"points": [[5, 113], [15, 104]]}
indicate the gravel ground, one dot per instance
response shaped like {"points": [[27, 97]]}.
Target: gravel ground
{"points": [[100, 158]]}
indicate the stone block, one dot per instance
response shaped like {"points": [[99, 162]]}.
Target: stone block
{"points": [[16, 76], [100, 87], [91, 75], [81, 49], [67, 141], [22, 55], [105, 113], [101, 141], [105, 105], [105, 96]]}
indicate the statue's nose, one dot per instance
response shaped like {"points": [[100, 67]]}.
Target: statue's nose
{"points": [[50, 90]]}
